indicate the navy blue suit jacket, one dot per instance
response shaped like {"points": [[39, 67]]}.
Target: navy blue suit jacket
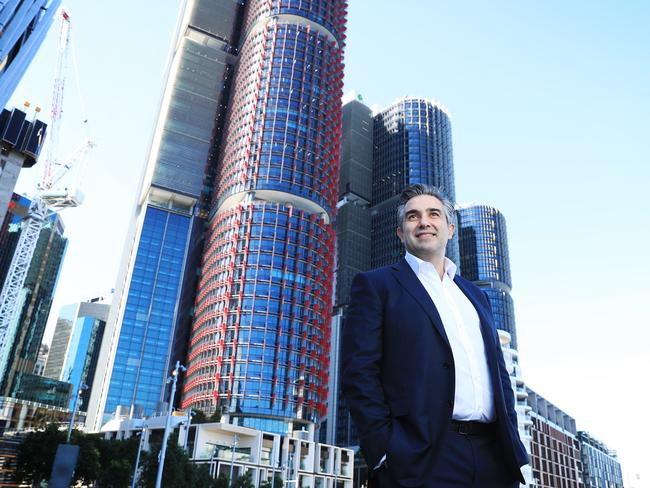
{"points": [[398, 376]]}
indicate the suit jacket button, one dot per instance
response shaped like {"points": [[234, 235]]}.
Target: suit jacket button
{"points": [[450, 403], [446, 365]]}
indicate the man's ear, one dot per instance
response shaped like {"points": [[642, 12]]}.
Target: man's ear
{"points": [[452, 229], [400, 234]]}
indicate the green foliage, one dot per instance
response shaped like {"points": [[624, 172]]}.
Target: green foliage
{"points": [[200, 417], [117, 459], [110, 463], [270, 484], [244, 481], [178, 471], [36, 455]]}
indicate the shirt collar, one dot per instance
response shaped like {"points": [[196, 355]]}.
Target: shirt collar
{"points": [[418, 265]]}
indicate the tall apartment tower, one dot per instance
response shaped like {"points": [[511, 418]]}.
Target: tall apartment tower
{"points": [[149, 320], [485, 260], [260, 338], [412, 144], [23, 26]]}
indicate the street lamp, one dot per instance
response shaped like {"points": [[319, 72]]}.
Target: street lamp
{"points": [[137, 458], [235, 439], [75, 404], [161, 457]]}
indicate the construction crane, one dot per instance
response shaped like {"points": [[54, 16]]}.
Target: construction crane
{"points": [[47, 200]]}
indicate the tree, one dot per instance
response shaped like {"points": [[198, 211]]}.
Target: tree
{"points": [[36, 455], [110, 463], [271, 484], [179, 471], [117, 460], [244, 481]]}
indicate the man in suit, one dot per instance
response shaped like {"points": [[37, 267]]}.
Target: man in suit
{"points": [[422, 367]]}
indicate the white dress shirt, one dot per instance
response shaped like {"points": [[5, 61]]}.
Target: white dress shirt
{"points": [[473, 399]]}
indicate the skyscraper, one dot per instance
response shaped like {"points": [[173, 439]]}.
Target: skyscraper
{"points": [[75, 346], [149, 320], [260, 337], [412, 144], [23, 26], [353, 230], [485, 260]]}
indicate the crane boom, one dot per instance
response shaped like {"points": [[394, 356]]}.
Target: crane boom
{"points": [[42, 206]]}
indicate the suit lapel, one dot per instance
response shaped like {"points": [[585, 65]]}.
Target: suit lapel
{"points": [[414, 287]]}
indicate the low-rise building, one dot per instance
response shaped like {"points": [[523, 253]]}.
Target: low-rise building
{"points": [[600, 465], [226, 448]]}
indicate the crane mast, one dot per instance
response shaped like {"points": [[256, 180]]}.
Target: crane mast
{"points": [[46, 202]]}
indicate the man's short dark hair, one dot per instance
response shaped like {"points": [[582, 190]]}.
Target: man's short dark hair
{"points": [[422, 189]]}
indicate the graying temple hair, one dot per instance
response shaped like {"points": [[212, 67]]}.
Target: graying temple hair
{"points": [[422, 189]]}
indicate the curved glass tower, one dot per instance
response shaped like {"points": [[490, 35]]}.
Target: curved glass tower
{"points": [[259, 344], [485, 260], [412, 144]]}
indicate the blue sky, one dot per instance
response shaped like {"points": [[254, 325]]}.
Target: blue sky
{"points": [[549, 104]]}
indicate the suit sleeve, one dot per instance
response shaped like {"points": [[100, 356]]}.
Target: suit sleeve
{"points": [[361, 358]]}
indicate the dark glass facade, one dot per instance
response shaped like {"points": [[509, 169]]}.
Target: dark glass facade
{"points": [[412, 144], [23, 26], [150, 321], [485, 260], [24, 337], [40, 389], [260, 337]]}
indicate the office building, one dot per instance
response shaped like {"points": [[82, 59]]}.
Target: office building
{"points": [[25, 332], [412, 144], [353, 230], [149, 320], [260, 337], [23, 25], [600, 465], [555, 448], [76, 344], [485, 260]]}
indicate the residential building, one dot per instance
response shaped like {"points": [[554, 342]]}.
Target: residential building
{"points": [[152, 307], [76, 344], [260, 338], [600, 465], [555, 448], [24, 25], [485, 260], [412, 144], [25, 333]]}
